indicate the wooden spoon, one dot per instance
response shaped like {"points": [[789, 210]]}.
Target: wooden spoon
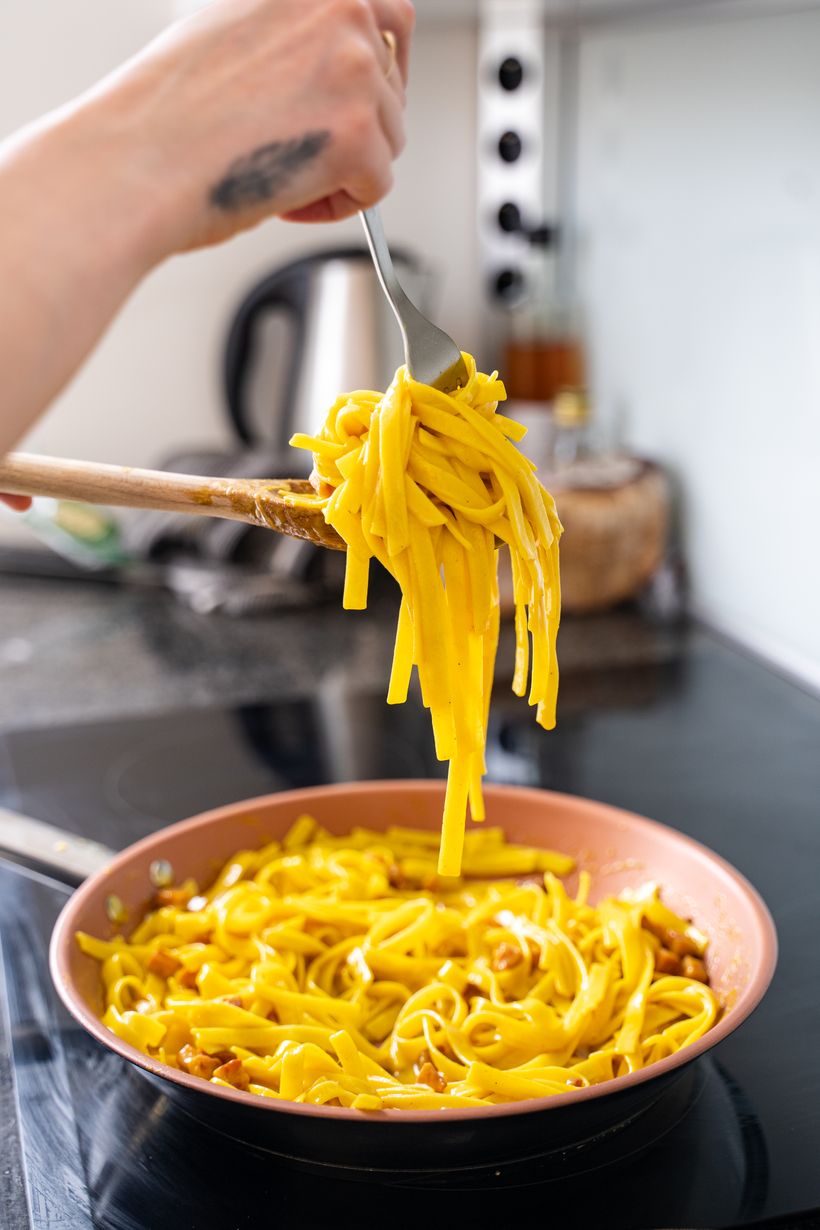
{"points": [[256, 501]]}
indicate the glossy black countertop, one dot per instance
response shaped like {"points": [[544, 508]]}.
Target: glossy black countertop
{"points": [[693, 733]]}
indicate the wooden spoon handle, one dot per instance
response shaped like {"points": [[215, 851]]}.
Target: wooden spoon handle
{"points": [[256, 501], [122, 486]]}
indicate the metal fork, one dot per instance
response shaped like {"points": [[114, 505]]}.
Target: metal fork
{"points": [[431, 356]]}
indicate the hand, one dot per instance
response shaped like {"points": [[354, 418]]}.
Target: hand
{"points": [[259, 107], [247, 109]]}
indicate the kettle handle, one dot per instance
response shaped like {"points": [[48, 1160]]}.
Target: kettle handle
{"points": [[287, 290], [283, 290]]}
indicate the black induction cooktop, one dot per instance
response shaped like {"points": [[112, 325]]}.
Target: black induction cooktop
{"points": [[712, 743]]}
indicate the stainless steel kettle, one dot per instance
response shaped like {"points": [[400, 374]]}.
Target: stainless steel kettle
{"points": [[343, 336]]}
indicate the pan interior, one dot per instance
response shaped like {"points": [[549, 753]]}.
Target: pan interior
{"points": [[619, 850]]}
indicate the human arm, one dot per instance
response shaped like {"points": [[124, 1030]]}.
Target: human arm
{"points": [[248, 109]]}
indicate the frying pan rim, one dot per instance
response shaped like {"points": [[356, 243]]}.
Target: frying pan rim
{"points": [[764, 945]]}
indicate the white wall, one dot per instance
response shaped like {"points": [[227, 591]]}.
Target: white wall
{"points": [[153, 384], [699, 189]]}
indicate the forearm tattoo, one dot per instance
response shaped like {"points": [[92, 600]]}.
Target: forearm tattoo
{"points": [[260, 176]]}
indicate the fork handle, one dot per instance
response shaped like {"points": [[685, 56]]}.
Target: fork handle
{"points": [[377, 242]]}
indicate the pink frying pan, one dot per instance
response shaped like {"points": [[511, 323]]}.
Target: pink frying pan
{"points": [[618, 848]]}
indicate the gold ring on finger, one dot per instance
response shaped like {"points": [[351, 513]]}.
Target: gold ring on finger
{"points": [[389, 40]]}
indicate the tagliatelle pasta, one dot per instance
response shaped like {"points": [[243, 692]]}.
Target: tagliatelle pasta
{"points": [[429, 484], [344, 971]]}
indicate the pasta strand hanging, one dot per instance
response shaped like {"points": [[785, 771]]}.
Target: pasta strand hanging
{"points": [[428, 483]]}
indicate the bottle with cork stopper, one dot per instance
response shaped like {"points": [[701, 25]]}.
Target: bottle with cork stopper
{"points": [[543, 356]]}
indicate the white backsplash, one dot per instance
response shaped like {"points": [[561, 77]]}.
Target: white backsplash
{"points": [[700, 231]]}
